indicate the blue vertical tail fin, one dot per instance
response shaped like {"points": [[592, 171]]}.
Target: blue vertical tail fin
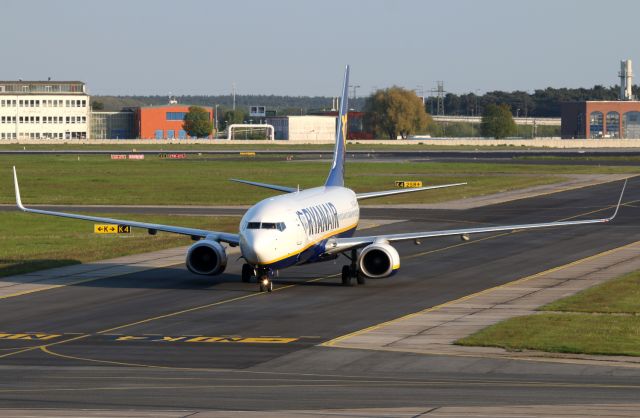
{"points": [[336, 174]]}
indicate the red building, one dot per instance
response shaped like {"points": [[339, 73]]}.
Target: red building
{"points": [[163, 122], [600, 119]]}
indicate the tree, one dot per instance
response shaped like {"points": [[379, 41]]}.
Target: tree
{"points": [[497, 121], [234, 116], [396, 112], [197, 122], [96, 105]]}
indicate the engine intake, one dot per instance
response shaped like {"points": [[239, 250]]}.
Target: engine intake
{"points": [[378, 260], [207, 258]]}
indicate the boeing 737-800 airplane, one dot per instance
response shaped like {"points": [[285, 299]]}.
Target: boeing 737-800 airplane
{"points": [[305, 226]]}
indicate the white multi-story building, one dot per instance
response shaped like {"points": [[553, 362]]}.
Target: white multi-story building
{"points": [[43, 110]]}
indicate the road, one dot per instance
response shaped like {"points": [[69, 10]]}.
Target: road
{"points": [[168, 339]]}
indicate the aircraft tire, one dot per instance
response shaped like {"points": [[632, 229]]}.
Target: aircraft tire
{"points": [[361, 279], [346, 276], [247, 272]]}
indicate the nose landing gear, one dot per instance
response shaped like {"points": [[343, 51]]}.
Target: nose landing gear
{"points": [[262, 275], [266, 285]]}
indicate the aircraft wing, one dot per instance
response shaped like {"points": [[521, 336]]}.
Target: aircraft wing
{"points": [[370, 195], [338, 245], [232, 239]]}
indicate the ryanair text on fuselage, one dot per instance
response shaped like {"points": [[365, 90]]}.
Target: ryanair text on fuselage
{"points": [[319, 218]]}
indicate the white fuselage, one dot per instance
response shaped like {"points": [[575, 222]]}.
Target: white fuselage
{"points": [[291, 229]]}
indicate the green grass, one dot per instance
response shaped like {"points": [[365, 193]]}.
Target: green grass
{"points": [[95, 179], [621, 295], [563, 333], [599, 320], [31, 242]]}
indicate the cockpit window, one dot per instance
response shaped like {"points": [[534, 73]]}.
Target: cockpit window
{"points": [[280, 226]]}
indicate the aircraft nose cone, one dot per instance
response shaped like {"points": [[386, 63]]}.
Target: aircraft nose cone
{"points": [[256, 249]]}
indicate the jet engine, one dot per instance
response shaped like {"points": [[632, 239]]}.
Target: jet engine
{"points": [[206, 257], [378, 260]]}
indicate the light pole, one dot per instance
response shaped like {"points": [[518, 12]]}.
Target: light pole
{"points": [[216, 122], [354, 87]]}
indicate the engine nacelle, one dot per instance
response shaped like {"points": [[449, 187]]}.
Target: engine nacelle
{"points": [[206, 257], [378, 260]]}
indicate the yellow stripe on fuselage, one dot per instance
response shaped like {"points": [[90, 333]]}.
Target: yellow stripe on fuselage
{"points": [[311, 244]]}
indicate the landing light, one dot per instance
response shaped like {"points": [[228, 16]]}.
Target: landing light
{"points": [[464, 237], [265, 281]]}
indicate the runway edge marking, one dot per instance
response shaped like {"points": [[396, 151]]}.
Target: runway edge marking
{"points": [[334, 341]]}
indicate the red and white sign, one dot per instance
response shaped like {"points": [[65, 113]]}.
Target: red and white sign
{"points": [[118, 156], [136, 156], [177, 156]]}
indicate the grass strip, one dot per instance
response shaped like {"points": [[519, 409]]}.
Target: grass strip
{"points": [[620, 295], [563, 333]]}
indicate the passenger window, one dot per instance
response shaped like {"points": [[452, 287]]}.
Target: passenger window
{"points": [[268, 225]]}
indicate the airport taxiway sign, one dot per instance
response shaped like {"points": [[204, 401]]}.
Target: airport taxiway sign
{"points": [[111, 229], [408, 184]]}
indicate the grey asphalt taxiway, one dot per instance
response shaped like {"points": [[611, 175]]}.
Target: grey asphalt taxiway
{"points": [[167, 339]]}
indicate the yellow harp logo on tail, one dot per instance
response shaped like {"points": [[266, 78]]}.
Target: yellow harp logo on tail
{"points": [[344, 128]]}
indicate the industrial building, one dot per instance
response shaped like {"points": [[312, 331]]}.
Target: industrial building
{"points": [[43, 110], [304, 128], [163, 122], [355, 123], [618, 119]]}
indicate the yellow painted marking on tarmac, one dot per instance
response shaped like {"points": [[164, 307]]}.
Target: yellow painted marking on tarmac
{"points": [[130, 338], [29, 336], [41, 346], [334, 341]]}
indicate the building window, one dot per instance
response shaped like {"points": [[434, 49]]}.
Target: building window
{"points": [[631, 125], [176, 115], [596, 125], [613, 125]]}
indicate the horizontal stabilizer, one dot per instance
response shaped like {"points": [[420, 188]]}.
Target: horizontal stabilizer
{"points": [[267, 186], [371, 195]]}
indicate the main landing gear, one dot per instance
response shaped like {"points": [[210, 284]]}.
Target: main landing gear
{"points": [[350, 271], [263, 276]]}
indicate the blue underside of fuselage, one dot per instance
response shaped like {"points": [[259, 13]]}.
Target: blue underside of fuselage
{"points": [[311, 254]]}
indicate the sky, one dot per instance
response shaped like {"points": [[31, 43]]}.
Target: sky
{"points": [[300, 47]]}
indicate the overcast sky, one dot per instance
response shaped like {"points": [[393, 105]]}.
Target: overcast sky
{"points": [[300, 47]]}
